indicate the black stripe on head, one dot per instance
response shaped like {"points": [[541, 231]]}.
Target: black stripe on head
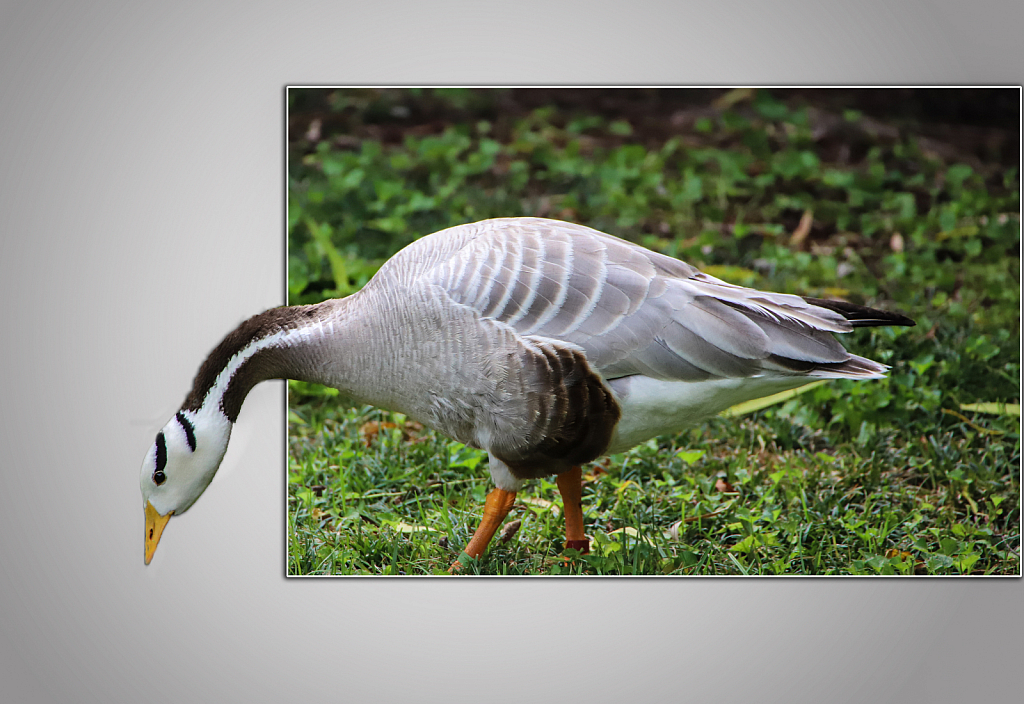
{"points": [[161, 459], [190, 433]]}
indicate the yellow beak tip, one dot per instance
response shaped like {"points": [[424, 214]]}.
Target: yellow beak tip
{"points": [[155, 524]]}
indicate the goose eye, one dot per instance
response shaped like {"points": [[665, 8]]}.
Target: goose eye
{"points": [[159, 477]]}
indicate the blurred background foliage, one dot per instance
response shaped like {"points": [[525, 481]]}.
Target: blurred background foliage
{"points": [[895, 198]]}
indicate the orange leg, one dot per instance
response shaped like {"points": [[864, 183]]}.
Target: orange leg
{"points": [[570, 486], [498, 504]]}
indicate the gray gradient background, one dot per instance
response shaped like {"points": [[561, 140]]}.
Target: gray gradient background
{"points": [[141, 217]]}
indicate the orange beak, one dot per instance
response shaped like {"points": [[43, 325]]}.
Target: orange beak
{"points": [[154, 529]]}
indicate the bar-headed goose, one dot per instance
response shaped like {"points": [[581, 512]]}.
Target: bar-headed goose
{"points": [[546, 344]]}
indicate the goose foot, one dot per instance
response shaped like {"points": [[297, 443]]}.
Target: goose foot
{"points": [[496, 507], [570, 486]]}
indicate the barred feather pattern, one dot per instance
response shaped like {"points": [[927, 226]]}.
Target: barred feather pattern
{"points": [[631, 310], [549, 343]]}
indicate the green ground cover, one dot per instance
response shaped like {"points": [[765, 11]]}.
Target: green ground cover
{"points": [[909, 475]]}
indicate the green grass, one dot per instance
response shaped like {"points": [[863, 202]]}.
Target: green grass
{"points": [[406, 505], [902, 476]]}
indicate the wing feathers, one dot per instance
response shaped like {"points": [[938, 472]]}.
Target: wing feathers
{"points": [[726, 328], [633, 311], [700, 352]]}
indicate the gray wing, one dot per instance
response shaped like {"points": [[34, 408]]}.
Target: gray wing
{"points": [[631, 310]]}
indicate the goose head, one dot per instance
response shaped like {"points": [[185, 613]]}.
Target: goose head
{"points": [[179, 466], [187, 451]]}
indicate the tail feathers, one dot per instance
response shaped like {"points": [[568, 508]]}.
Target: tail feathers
{"points": [[853, 368], [862, 316]]}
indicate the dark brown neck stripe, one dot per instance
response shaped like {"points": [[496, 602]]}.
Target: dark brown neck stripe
{"points": [[266, 363], [256, 328]]}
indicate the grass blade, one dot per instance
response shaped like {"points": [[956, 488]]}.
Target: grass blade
{"points": [[998, 409], [742, 409]]}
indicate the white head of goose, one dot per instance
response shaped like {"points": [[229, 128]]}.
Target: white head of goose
{"points": [[546, 344]]}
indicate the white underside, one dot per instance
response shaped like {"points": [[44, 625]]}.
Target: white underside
{"points": [[503, 477], [652, 407]]}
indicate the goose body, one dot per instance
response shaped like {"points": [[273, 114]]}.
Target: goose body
{"points": [[545, 343]]}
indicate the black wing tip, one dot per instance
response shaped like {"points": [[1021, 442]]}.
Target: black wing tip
{"points": [[862, 316]]}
